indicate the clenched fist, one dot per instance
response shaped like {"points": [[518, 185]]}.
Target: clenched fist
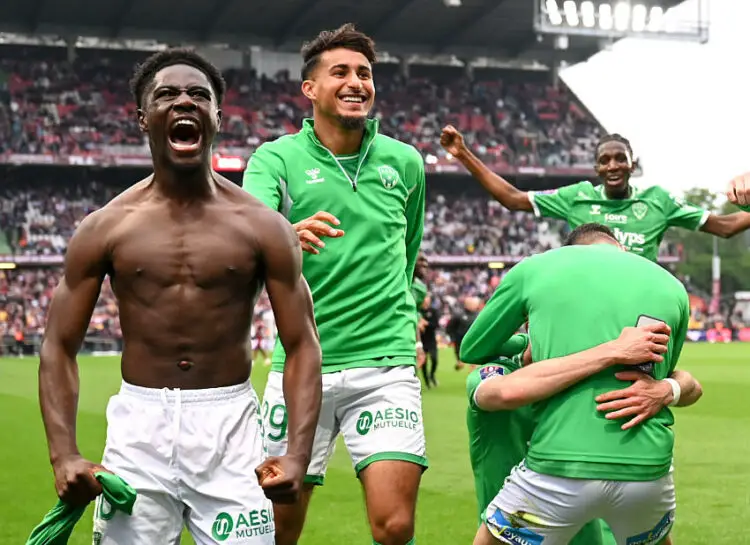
{"points": [[452, 140], [738, 191]]}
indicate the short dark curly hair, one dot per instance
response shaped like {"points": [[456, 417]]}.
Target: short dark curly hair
{"points": [[589, 233], [145, 72], [346, 36]]}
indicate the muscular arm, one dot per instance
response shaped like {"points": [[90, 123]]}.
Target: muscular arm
{"points": [[503, 191], [293, 308], [67, 322], [543, 379], [726, 226]]}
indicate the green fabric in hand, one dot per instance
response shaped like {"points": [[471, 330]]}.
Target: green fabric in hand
{"points": [[58, 524]]}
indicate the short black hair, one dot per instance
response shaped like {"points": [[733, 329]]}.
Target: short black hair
{"points": [[588, 233], [614, 137], [345, 36], [145, 72]]}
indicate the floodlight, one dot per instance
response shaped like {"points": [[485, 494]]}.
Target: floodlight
{"points": [[571, 12], [553, 12], [639, 17], [655, 19], [588, 15], [605, 17], [622, 16]]}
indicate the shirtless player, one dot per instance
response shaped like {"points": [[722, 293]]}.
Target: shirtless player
{"points": [[188, 252]]}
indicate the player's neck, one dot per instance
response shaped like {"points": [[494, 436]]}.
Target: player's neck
{"points": [[338, 140], [186, 186]]}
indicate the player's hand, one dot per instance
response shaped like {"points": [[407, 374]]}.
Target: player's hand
{"points": [[421, 325], [75, 481], [452, 140], [641, 400], [738, 191], [644, 344], [421, 358], [311, 230], [281, 478]]}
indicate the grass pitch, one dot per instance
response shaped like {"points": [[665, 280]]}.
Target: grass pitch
{"points": [[713, 447]]}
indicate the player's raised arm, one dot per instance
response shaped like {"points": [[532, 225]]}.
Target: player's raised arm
{"points": [[281, 478], [67, 321], [546, 378], [682, 214], [503, 191]]}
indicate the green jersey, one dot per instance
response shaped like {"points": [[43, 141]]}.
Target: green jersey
{"points": [[595, 292], [419, 292], [498, 441], [360, 283], [639, 222]]}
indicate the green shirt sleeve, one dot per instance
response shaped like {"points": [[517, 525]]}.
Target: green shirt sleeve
{"points": [[516, 345], [554, 203], [264, 178], [745, 208], [480, 374], [504, 313], [680, 213], [414, 213]]}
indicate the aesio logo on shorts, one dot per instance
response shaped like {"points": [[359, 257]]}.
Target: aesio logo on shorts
{"points": [[253, 523], [392, 417]]}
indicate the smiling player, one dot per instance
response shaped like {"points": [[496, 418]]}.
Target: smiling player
{"points": [[338, 170], [638, 217]]}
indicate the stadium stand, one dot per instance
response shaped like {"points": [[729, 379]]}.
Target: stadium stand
{"points": [[49, 106]]}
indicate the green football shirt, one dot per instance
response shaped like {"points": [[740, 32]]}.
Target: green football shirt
{"points": [[361, 282], [498, 441], [639, 222], [595, 292]]}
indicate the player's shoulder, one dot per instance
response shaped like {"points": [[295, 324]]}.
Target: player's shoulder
{"points": [[282, 148], [111, 214], [406, 153]]}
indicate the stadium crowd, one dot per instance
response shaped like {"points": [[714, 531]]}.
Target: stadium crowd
{"points": [[51, 106]]}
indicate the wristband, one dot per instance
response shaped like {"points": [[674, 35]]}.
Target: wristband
{"points": [[676, 391], [419, 345]]}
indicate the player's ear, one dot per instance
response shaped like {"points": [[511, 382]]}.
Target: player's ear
{"points": [[142, 123], [634, 165], [219, 117], [308, 89]]}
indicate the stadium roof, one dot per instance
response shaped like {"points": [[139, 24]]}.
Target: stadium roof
{"points": [[476, 28]]}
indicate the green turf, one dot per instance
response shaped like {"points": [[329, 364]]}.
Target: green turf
{"points": [[713, 485]]}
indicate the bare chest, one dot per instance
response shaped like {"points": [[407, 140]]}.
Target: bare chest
{"points": [[209, 252]]}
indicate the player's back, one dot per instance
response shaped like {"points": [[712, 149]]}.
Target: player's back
{"points": [[580, 297]]}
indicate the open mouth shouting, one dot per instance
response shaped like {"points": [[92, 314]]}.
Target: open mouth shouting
{"points": [[185, 135]]}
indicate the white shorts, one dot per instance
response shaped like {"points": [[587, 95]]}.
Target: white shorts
{"points": [[551, 510], [191, 456], [377, 409]]}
